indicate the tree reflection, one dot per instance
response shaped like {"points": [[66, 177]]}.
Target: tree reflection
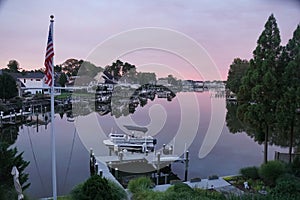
{"points": [[122, 101], [237, 126]]}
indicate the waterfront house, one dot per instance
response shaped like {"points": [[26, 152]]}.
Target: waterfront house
{"points": [[32, 83]]}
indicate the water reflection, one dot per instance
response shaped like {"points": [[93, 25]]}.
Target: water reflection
{"points": [[160, 116], [122, 101], [235, 125]]}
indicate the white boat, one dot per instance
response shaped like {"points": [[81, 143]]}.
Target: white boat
{"points": [[130, 142]]}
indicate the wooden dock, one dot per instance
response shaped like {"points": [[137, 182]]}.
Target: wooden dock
{"points": [[151, 158], [13, 118]]}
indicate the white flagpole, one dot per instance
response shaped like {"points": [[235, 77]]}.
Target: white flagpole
{"points": [[52, 124]]}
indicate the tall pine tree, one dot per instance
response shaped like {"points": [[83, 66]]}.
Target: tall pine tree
{"points": [[287, 108], [257, 96]]}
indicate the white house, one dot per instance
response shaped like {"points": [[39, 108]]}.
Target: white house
{"points": [[31, 83]]}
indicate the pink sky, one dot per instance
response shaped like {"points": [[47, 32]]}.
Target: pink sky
{"points": [[226, 29]]}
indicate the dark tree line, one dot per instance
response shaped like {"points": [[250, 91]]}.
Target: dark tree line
{"points": [[268, 89]]}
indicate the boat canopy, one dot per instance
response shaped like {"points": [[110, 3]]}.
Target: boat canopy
{"points": [[136, 128]]}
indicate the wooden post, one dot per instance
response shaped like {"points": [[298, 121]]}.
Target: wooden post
{"points": [[158, 170], [186, 165], [91, 162], [96, 168], [100, 173], [117, 173], [37, 122], [21, 114], [1, 115], [15, 117]]}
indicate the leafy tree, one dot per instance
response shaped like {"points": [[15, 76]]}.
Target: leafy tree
{"points": [[13, 66], [129, 73], [8, 86], [57, 68], [237, 70], [71, 66], [257, 96]]}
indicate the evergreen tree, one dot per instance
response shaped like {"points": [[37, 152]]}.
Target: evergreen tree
{"points": [[287, 108], [257, 96], [10, 157]]}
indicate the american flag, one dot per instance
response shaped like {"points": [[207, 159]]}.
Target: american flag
{"points": [[48, 58]]}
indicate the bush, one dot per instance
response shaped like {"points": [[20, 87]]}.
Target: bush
{"points": [[149, 195], [270, 171], [140, 184], [210, 195], [77, 192], [296, 166], [118, 192], [182, 187], [99, 189], [250, 172], [287, 185]]}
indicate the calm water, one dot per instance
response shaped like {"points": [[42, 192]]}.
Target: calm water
{"points": [[184, 122]]}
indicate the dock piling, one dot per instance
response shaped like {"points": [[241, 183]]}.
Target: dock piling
{"points": [[186, 165], [158, 170]]}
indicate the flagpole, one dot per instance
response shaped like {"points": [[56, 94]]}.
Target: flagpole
{"points": [[54, 187]]}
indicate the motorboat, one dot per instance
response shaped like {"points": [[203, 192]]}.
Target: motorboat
{"points": [[130, 142]]}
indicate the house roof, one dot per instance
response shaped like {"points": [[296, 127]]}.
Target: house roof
{"points": [[27, 75], [32, 75]]}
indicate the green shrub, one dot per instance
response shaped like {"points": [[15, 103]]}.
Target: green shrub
{"points": [[296, 166], [98, 188], [210, 195], [287, 185], [139, 184], [182, 187], [148, 195], [118, 192], [77, 192], [270, 171], [250, 172]]}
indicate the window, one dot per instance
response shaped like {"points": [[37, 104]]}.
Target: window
{"points": [[24, 80], [38, 79]]}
